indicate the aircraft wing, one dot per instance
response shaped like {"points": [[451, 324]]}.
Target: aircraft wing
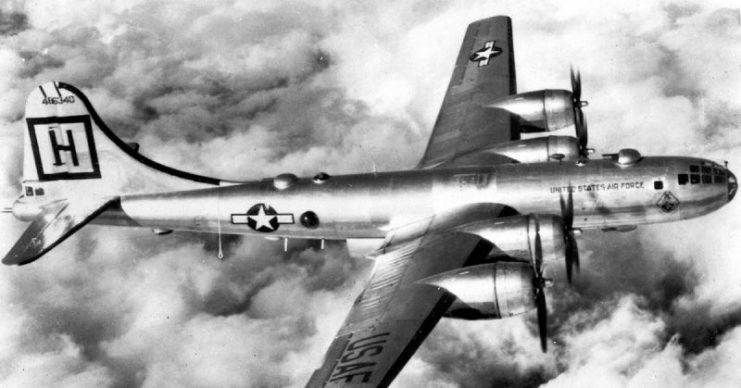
{"points": [[60, 219], [394, 313], [484, 71]]}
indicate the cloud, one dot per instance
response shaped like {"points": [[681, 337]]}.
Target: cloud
{"points": [[245, 91], [62, 365]]}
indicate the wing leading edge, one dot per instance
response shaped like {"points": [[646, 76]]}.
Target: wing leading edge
{"points": [[395, 312], [393, 315], [484, 71]]}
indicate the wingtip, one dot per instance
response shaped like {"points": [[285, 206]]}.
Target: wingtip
{"points": [[10, 261], [504, 18], [21, 258]]}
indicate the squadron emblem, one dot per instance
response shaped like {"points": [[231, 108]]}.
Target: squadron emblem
{"points": [[668, 202], [483, 55], [262, 218]]}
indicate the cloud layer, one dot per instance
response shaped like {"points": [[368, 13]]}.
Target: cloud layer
{"points": [[244, 91]]}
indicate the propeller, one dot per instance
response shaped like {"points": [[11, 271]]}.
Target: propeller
{"points": [[542, 313], [569, 235], [579, 121], [539, 284]]}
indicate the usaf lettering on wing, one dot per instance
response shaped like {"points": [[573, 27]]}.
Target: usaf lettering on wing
{"points": [[349, 365]]}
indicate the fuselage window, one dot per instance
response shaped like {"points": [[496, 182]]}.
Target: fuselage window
{"points": [[707, 179], [694, 168], [683, 179], [694, 179], [39, 191], [658, 185], [29, 191]]}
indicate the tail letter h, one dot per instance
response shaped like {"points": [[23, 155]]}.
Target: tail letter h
{"points": [[57, 148]]}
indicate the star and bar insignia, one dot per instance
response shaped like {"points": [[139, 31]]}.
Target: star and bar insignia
{"points": [[483, 55], [262, 218]]}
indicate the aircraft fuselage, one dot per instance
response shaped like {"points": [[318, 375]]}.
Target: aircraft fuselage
{"points": [[604, 194]]}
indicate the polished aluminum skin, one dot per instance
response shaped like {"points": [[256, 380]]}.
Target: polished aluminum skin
{"points": [[488, 291], [605, 193], [541, 110]]}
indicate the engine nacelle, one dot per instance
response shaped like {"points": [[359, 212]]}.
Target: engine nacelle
{"points": [[540, 110], [539, 149], [488, 291], [515, 236]]}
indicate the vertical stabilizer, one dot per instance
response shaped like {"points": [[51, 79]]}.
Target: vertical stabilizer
{"points": [[69, 150]]}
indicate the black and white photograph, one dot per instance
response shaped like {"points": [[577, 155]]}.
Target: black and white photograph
{"points": [[291, 193]]}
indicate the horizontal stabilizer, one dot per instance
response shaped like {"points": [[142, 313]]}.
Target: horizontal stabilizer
{"points": [[60, 219]]}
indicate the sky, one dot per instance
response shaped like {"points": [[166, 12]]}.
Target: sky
{"points": [[246, 90]]}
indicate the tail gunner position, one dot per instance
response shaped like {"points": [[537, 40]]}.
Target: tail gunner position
{"points": [[463, 235]]}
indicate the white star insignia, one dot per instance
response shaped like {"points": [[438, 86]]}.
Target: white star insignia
{"points": [[483, 55], [263, 219]]}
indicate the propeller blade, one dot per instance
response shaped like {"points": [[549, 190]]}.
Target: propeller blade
{"points": [[538, 253], [569, 258], [572, 256], [542, 317], [575, 251], [539, 284], [575, 86], [580, 123], [567, 209], [581, 132], [571, 249]]}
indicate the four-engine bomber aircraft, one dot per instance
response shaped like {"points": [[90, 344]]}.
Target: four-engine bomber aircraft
{"points": [[463, 235]]}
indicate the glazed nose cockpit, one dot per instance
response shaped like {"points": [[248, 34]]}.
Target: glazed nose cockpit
{"points": [[706, 174], [732, 185]]}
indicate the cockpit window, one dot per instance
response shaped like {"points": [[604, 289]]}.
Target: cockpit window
{"points": [[29, 191], [706, 174], [39, 191]]}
